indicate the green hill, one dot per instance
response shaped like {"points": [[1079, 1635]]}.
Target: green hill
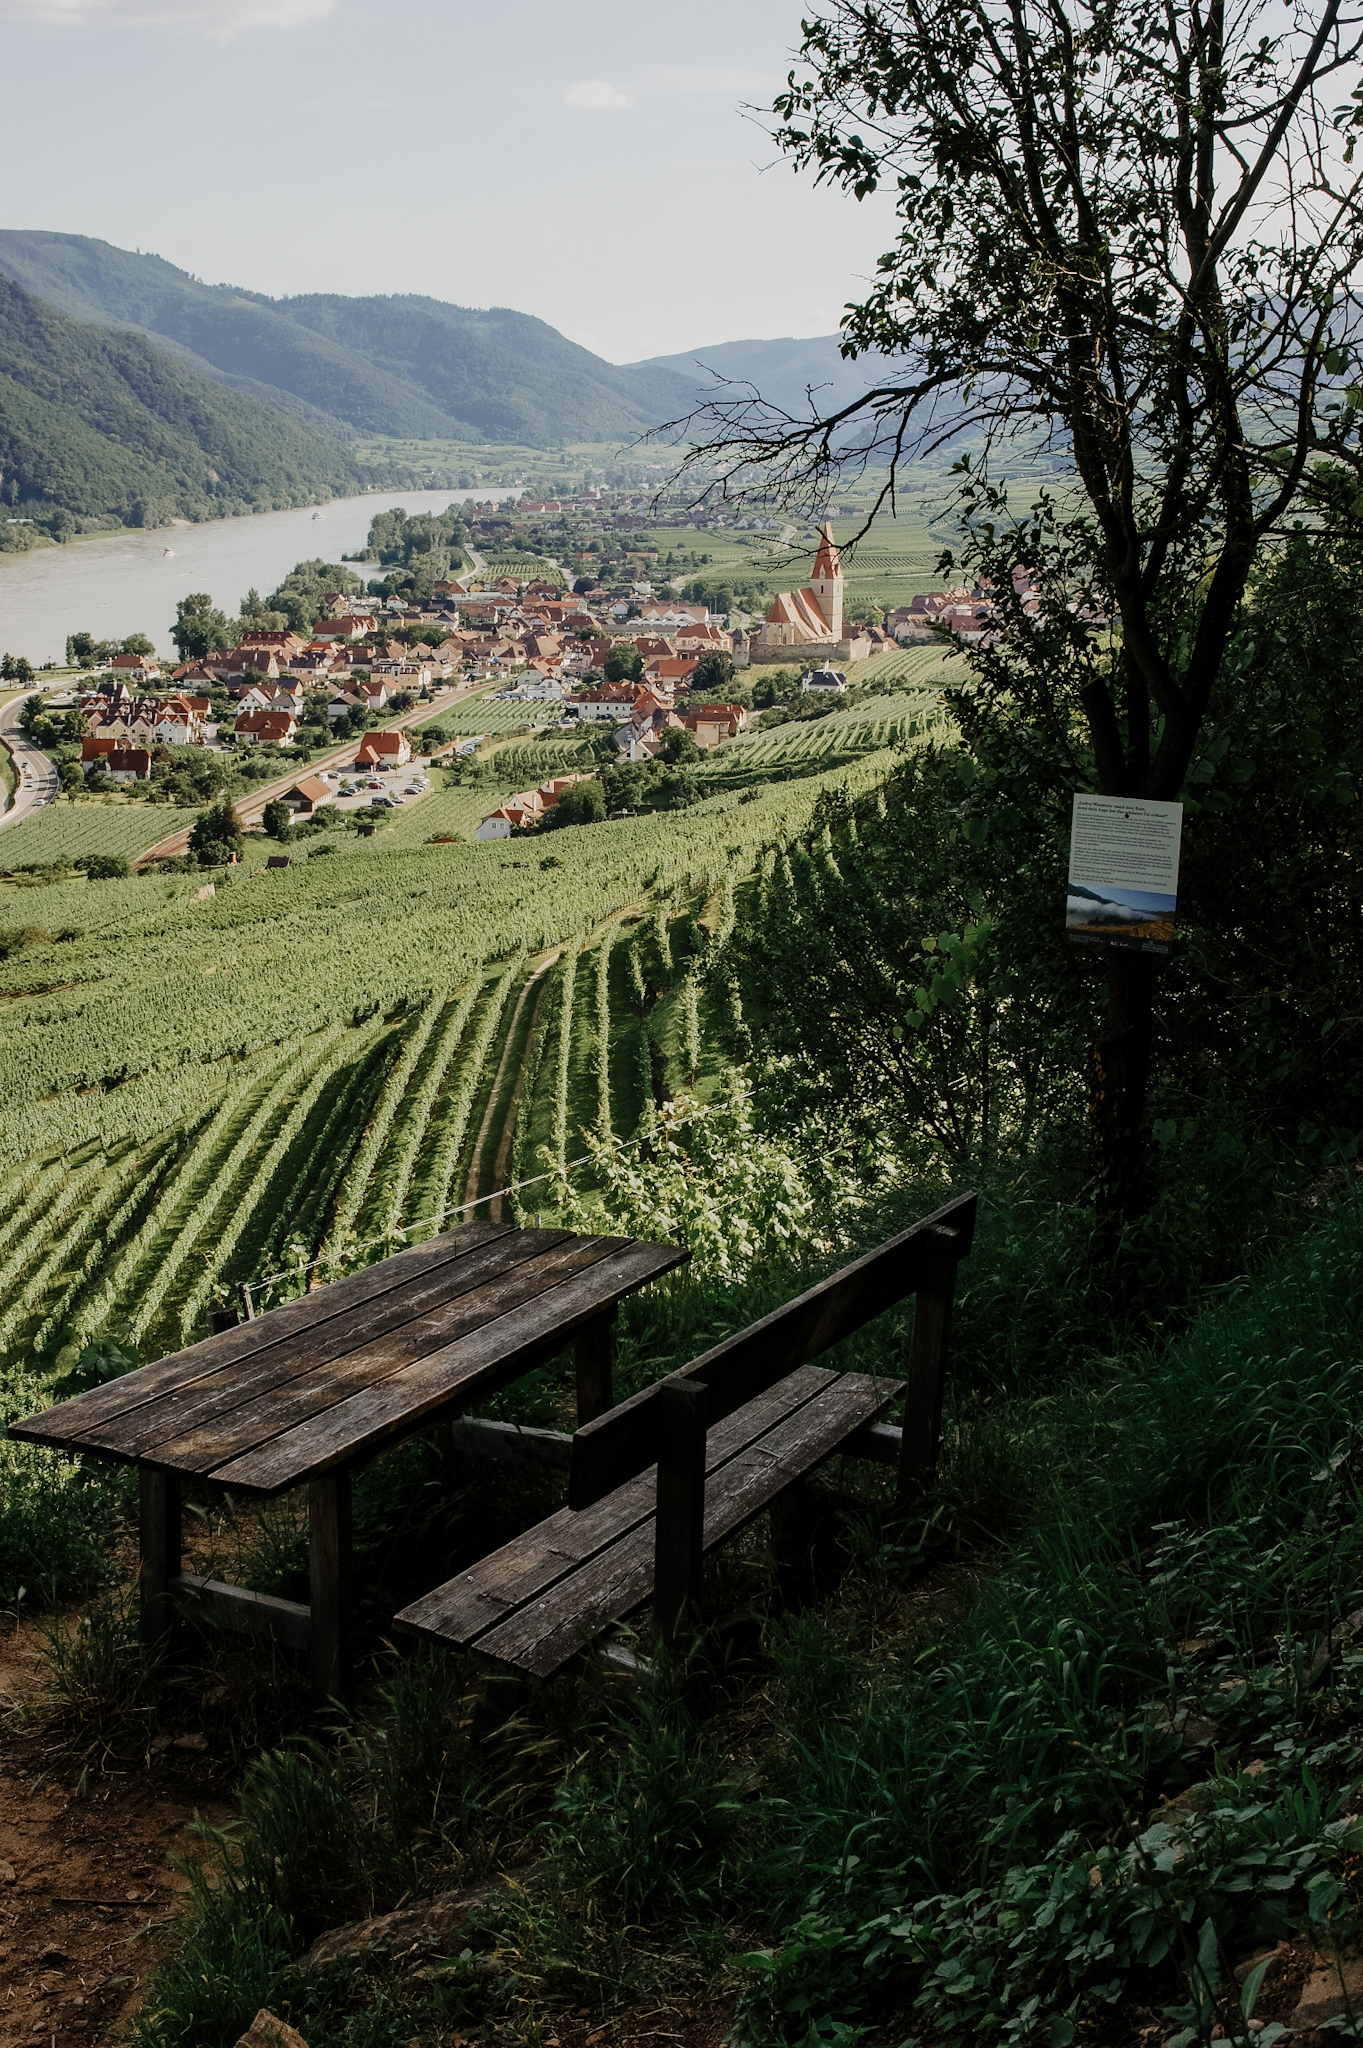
{"points": [[106, 424], [412, 368]]}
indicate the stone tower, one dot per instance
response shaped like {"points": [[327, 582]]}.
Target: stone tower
{"points": [[826, 582]]}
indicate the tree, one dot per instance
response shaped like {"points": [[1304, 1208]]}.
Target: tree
{"points": [[277, 819], [72, 777], [712, 675], [583, 804], [80, 650], [107, 867], [136, 643], [679, 745], [216, 835], [624, 663], [198, 628], [1126, 236]]}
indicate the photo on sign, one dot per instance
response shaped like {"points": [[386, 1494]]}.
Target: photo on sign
{"points": [[1123, 880], [1120, 916]]}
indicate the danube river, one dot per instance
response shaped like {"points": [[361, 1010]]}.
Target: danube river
{"points": [[113, 584]]}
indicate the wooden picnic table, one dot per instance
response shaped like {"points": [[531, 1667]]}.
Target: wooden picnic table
{"points": [[311, 1392]]}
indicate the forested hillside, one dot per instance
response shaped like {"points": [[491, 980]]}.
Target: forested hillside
{"points": [[415, 368], [102, 425]]}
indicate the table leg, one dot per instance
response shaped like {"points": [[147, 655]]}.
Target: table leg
{"points": [[330, 1589], [592, 1358], [159, 1539]]}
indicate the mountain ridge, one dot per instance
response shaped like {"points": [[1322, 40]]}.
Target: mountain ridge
{"points": [[404, 366]]}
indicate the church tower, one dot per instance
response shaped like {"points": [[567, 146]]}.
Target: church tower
{"points": [[826, 582]]}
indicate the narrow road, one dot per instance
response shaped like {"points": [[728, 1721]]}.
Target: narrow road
{"points": [[38, 782]]}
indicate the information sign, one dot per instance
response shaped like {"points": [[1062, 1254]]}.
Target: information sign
{"points": [[1123, 887]]}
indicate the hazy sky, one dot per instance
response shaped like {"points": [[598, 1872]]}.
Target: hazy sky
{"points": [[589, 163]]}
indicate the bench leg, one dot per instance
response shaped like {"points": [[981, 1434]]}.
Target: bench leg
{"points": [[794, 1518], [159, 1543], [679, 1528], [592, 1359], [922, 1435], [330, 1586]]}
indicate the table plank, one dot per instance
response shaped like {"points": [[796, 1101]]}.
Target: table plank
{"points": [[454, 1376], [71, 1421], [540, 1638], [215, 1439], [397, 1326], [524, 1569]]}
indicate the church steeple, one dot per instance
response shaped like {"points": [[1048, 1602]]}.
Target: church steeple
{"points": [[827, 582]]}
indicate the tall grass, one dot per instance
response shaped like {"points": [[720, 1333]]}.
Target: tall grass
{"points": [[1207, 1491]]}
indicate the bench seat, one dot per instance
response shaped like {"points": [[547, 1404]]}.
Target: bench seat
{"points": [[533, 1604]]}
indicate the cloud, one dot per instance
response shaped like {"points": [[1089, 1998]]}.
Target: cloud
{"points": [[597, 94], [219, 20]]}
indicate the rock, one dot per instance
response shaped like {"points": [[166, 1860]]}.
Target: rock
{"points": [[1323, 1996], [7, 1873], [160, 1744], [426, 1923], [189, 1742], [1193, 1799], [265, 2031]]}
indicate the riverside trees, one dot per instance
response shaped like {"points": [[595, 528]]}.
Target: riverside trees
{"points": [[1127, 238]]}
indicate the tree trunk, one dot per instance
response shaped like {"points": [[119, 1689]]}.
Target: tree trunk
{"points": [[1119, 1075]]}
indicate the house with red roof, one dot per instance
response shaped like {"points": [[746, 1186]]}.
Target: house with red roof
{"points": [[258, 728], [390, 749]]}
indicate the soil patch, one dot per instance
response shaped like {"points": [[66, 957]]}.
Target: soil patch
{"points": [[88, 1897]]}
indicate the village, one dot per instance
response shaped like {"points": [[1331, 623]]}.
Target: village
{"points": [[642, 666]]}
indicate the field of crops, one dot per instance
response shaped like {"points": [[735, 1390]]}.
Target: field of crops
{"points": [[69, 831], [195, 1093]]}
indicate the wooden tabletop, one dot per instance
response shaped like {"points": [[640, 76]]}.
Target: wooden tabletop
{"points": [[326, 1381]]}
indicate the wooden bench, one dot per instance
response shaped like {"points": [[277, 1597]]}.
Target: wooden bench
{"points": [[669, 1474], [312, 1392]]}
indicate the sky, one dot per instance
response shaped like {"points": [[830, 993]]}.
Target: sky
{"points": [[592, 164]]}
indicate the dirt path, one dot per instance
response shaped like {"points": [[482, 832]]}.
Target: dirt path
{"points": [[87, 1893], [473, 1184]]}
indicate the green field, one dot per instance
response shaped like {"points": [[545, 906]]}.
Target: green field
{"points": [[68, 831], [190, 1087]]}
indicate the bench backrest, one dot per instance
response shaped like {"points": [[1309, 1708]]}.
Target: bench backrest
{"points": [[624, 1442]]}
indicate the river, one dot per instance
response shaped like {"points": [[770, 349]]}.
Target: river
{"points": [[113, 584]]}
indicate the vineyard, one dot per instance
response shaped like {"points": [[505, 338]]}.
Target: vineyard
{"points": [[67, 832], [199, 1092]]}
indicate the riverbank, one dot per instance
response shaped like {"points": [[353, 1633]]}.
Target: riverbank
{"points": [[129, 581]]}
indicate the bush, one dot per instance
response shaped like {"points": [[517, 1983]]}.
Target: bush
{"points": [[107, 867]]}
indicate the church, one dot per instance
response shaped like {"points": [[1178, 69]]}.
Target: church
{"points": [[808, 623]]}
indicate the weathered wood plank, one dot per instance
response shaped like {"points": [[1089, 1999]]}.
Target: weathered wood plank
{"points": [[524, 1569], [220, 1436], [329, 1586], [540, 1637], [457, 1375], [878, 1442], [927, 1376], [613, 1448], [679, 1517], [236, 1607], [592, 1361], [513, 1444], [233, 1405], [73, 1420], [159, 1548]]}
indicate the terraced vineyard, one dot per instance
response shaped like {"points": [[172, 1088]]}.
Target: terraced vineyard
{"points": [[69, 831], [200, 1093]]}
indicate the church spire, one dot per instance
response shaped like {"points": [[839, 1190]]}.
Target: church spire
{"points": [[826, 585]]}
